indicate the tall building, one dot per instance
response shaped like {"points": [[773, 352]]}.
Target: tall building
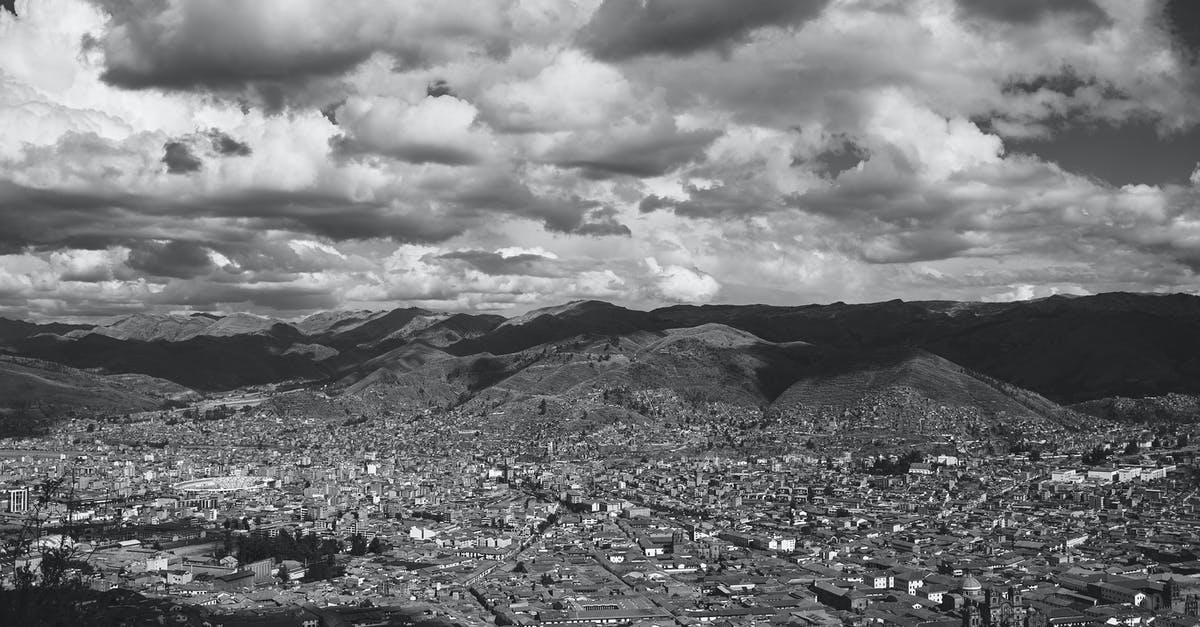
{"points": [[18, 500]]}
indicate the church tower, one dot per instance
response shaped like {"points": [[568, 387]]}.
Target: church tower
{"points": [[971, 616]]}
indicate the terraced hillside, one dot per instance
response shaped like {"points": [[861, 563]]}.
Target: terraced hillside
{"points": [[33, 392]]}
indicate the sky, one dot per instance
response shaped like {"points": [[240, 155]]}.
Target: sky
{"points": [[287, 156]]}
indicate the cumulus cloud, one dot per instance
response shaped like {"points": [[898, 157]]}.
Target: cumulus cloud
{"points": [[626, 28], [500, 263], [228, 146], [680, 284], [642, 151], [179, 158], [273, 50], [174, 258], [1027, 12], [283, 155], [434, 130]]}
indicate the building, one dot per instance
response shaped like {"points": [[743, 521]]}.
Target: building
{"points": [[18, 501]]}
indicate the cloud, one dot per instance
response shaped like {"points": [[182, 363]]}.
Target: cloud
{"points": [[433, 130], [494, 192], [228, 146], [502, 155], [498, 263], [90, 266], [274, 50], [620, 29], [180, 155], [179, 158], [207, 296], [1183, 23], [174, 258], [838, 157], [602, 229], [1029, 12], [572, 92], [679, 284], [47, 217], [438, 88], [918, 246], [634, 150]]}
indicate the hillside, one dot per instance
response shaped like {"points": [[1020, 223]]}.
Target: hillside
{"points": [[1069, 349], [178, 328], [921, 372], [202, 363], [914, 390], [1066, 349], [556, 323], [32, 390], [1168, 408]]}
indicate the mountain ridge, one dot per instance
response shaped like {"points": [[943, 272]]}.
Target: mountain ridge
{"points": [[1065, 349]]}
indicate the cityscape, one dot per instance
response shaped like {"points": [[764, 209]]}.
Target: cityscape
{"points": [[287, 504], [625, 313]]}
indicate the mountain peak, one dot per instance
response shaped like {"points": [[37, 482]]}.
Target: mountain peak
{"points": [[574, 307]]}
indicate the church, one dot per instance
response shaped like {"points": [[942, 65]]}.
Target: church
{"points": [[987, 607]]}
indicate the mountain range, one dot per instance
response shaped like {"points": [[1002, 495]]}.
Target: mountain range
{"points": [[1024, 357]]}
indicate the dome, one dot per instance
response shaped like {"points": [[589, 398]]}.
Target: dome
{"points": [[971, 584]]}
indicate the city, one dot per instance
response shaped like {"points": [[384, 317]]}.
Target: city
{"points": [[245, 520], [623, 313]]}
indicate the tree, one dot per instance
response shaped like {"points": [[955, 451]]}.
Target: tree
{"points": [[282, 574], [1131, 448], [376, 546], [1096, 456], [358, 544]]}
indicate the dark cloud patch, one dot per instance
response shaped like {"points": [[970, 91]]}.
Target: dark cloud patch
{"points": [[1130, 153], [179, 158], [326, 215], [895, 198], [495, 264], [654, 203], [10, 6], [507, 194], [175, 258], [724, 201], [411, 152], [207, 47], [41, 217], [228, 146], [621, 29], [329, 111], [654, 154], [439, 88], [603, 229], [1183, 23], [837, 158], [1029, 12], [276, 58], [914, 246], [36, 217], [1066, 81]]}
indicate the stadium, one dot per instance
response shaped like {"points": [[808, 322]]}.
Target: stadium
{"points": [[210, 485]]}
